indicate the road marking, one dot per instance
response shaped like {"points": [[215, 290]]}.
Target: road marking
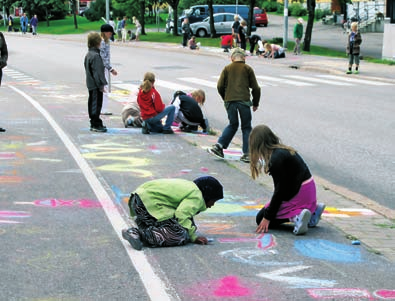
{"points": [[318, 80], [199, 81], [356, 80], [297, 281], [285, 81], [155, 288], [172, 86]]}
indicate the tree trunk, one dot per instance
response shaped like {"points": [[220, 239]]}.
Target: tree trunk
{"points": [[309, 27], [174, 5], [210, 12], [142, 19], [250, 17], [74, 8]]}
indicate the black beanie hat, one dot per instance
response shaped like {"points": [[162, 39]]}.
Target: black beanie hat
{"points": [[106, 28], [210, 187]]}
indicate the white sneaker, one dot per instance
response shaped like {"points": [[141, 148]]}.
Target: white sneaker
{"points": [[316, 216], [301, 221]]}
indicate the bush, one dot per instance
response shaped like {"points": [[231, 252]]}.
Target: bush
{"points": [[270, 6], [297, 10], [321, 13]]}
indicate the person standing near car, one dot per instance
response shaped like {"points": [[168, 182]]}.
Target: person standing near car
{"points": [[235, 30], [10, 23], [242, 35], [298, 34], [3, 60], [24, 21], [186, 32], [34, 24]]}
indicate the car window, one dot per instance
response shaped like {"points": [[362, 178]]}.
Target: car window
{"points": [[219, 18], [258, 11], [206, 20], [229, 18]]}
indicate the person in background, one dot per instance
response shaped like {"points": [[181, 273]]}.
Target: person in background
{"points": [[235, 30], [186, 31], [188, 112], [152, 108], [242, 35], [227, 42], [107, 31], [3, 60], [236, 84], [274, 51], [298, 34], [119, 29], [124, 32], [353, 48], [253, 42], [10, 23], [294, 197], [138, 28], [24, 22], [95, 81], [192, 43], [165, 208], [34, 24]]}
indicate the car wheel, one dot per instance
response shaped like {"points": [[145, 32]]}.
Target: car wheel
{"points": [[201, 33]]}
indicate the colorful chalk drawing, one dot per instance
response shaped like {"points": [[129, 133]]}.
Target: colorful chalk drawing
{"points": [[218, 289], [54, 203], [119, 195], [296, 281], [232, 205], [264, 241], [348, 212], [385, 294], [122, 154], [347, 293], [6, 217], [327, 250]]}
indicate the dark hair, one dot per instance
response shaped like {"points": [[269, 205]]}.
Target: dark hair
{"points": [[210, 187]]}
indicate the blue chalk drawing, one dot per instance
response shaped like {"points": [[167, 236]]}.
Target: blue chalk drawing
{"points": [[327, 250]]}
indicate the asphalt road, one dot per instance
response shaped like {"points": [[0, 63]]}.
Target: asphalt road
{"points": [[63, 192]]}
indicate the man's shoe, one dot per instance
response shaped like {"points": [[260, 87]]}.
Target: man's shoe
{"points": [[301, 222], [132, 235], [316, 216], [2, 130], [349, 72], [169, 131], [216, 150], [100, 129], [245, 158], [144, 128]]}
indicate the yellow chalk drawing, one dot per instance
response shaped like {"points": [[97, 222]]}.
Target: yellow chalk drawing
{"points": [[347, 212], [122, 154], [222, 229]]}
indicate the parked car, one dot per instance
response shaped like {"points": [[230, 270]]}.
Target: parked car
{"points": [[222, 22], [260, 17], [82, 11]]}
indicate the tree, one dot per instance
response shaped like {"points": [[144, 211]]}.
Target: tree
{"points": [[210, 11], [174, 6], [73, 4], [44, 9], [309, 27]]}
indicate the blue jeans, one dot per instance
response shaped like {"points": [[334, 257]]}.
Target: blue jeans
{"points": [[234, 109], [155, 123]]}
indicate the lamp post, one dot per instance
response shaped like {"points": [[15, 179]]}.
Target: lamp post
{"points": [[108, 10], [285, 37]]}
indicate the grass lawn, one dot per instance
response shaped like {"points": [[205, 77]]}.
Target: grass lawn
{"points": [[67, 26]]}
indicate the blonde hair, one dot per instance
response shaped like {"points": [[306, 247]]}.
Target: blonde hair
{"points": [[267, 46], [354, 25], [199, 93], [104, 37], [146, 86], [94, 40], [262, 142], [243, 22], [149, 76]]}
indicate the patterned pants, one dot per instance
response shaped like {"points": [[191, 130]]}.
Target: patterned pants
{"points": [[167, 233]]}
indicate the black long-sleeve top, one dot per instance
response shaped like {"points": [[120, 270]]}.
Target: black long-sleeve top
{"points": [[288, 172]]}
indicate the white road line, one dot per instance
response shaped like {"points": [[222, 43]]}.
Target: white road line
{"points": [[172, 86], [285, 81], [198, 81], [317, 80], [154, 286], [129, 87], [356, 80]]}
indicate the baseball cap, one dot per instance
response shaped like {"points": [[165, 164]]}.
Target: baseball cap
{"points": [[106, 28]]}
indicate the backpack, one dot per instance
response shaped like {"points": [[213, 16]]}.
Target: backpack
{"points": [[177, 94]]}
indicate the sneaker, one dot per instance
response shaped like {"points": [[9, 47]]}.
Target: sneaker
{"points": [[216, 150], [301, 222], [316, 216], [2, 130], [100, 129], [129, 121], [356, 72], [169, 131], [144, 128], [245, 158], [349, 72], [132, 235]]}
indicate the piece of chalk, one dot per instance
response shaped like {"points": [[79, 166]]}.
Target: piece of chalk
{"points": [[356, 242]]}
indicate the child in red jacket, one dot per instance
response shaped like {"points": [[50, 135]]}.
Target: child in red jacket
{"points": [[152, 108]]}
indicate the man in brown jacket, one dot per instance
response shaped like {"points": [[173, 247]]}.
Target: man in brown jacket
{"points": [[234, 86]]}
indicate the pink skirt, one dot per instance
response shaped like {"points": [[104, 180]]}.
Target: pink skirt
{"points": [[305, 199]]}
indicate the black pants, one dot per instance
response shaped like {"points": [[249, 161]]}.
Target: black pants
{"points": [[185, 38], [167, 233], [95, 103]]}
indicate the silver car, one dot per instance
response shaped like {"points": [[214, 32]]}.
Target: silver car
{"points": [[222, 22]]}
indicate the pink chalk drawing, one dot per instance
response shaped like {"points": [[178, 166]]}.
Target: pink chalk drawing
{"points": [[229, 287], [385, 294], [226, 287], [12, 214], [54, 203], [204, 169], [333, 293], [265, 241], [7, 155]]}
